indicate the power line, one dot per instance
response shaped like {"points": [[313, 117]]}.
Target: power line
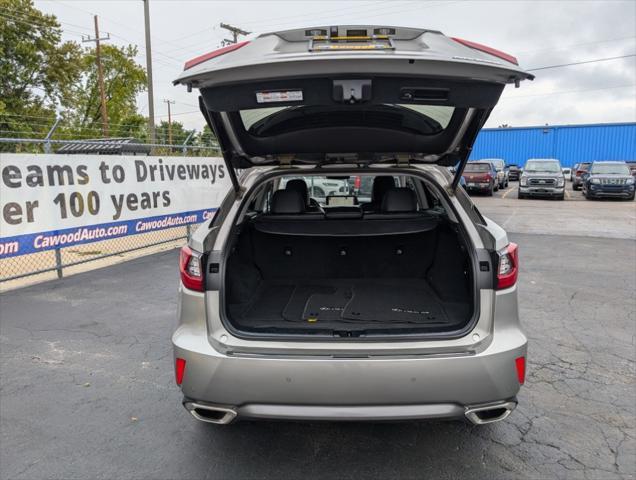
{"points": [[567, 47], [561, 92], [580, 63]]}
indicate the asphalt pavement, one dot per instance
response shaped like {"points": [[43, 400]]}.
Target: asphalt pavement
{"points": [[87, 387]]}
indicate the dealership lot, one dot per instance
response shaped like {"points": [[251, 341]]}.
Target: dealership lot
{"points": [[88, 387]]}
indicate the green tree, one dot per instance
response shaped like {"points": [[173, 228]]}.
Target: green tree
{"points": [[37, 69], [206, 138], [123, 80]]}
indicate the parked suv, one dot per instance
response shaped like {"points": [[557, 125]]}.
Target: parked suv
{"points": [[608, 179], [542, 177], [400, 307], [514, 172]]}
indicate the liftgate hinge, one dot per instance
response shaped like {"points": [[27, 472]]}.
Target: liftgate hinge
{"points": [[403, 160]]}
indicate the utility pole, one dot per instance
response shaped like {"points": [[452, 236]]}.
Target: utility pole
{"points": [[235, 31], [151, 104], [169, 102], [100, 73]]}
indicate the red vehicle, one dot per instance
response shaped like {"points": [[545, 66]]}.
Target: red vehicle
{"points": [[480, 177]]}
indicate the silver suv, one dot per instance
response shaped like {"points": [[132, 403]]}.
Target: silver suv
{"points": [[401, 305]]}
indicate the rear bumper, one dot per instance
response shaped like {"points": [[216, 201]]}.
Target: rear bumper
{"points": [[329, 388], [542, 191], [478, 414], [479, 187]]}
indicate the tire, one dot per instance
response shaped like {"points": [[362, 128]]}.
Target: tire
{"points": [[562, 197], [575, 187], [520, 195], [588, 196], [490, 191]]}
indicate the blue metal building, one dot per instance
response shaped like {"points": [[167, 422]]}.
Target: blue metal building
{"points": [[569, 143]]}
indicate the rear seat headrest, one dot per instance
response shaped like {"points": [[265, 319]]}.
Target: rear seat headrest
{"points": [[381, 185], [299, 185], [287, 202], [399, 200]]}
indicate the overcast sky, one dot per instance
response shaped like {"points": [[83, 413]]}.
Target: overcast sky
{"points": [[539, 33]]}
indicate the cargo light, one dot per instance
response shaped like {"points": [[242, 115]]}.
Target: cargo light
{"points": [[520, 364], [190, 269], [508, 268], [489, 50], [179, 370], [213, 54]]}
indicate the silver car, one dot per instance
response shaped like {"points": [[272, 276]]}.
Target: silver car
{"points": [[401, 305], [502, 171]]}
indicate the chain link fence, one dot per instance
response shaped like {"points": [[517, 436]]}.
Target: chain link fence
{"points": [[52, 264]]}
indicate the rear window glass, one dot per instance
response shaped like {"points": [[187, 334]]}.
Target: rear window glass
{"points": [[543, 166], [477, 167], [421, 119], [341, 190], [610, 168]]}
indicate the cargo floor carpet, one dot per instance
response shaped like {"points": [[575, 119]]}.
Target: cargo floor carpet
{"points": [[342, 304]]}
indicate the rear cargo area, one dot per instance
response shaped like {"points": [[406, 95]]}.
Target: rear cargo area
{"points": [[389, 283]]}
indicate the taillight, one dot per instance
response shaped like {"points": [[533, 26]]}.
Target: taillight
{"points": [[508, 268], [190, 269], [489, 50], [520, 365], [357, 181], [214, 54], [179, 370]]}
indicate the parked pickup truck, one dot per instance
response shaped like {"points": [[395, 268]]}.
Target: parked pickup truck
{"points": [[542, 177]]}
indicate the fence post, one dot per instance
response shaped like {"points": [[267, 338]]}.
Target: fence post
{"points": [[184, 150], [58, 263], [47, 139], [188, 231]]}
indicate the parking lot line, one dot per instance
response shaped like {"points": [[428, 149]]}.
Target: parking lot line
{"points": [[567, 194], [505, 194]]}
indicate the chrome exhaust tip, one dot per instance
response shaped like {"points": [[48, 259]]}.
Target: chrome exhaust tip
{"points": [[489, 413], [211, 414]]}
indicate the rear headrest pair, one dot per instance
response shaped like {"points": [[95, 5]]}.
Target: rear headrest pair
{"points": [[395, 200]]}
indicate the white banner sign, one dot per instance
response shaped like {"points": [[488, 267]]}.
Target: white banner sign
{"points": [[53, 201]]}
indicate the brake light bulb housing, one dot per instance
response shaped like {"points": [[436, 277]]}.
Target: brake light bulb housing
{"points": [[508, 267], [190, 269]]}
